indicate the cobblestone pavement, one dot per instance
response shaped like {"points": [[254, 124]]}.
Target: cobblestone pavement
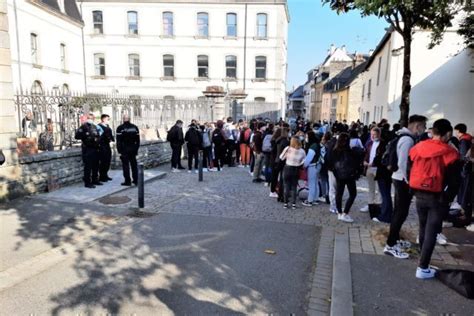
{"points": [[232, 194]]}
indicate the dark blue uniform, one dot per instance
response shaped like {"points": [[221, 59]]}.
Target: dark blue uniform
{"points": [[89, 135], [105, 153], [128, 142]]}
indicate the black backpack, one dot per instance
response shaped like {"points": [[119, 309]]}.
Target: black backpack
{"points": [[345, 168], [217, 137], [390, 157], [317, 150]]}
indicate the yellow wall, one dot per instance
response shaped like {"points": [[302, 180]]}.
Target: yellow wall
{"points": [[342, 104]]}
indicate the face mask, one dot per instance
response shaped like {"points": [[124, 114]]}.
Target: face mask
{"points": [[90, 121], [301, 138], [430, 135]]}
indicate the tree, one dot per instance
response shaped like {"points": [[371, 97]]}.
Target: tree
{"points": [[466, 28], [405, 16]]}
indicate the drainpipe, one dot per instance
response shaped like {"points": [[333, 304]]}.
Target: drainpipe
{"points": [[245, 47], [18, 46], [83, 52]]}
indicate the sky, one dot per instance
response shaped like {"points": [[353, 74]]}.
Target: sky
{"points": [[314, 27]]}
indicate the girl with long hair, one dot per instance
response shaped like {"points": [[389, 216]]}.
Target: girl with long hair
{"points": [[294, 157]]}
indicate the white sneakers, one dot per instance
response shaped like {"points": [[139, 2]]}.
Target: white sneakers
{"points": [[365, 209], [425, 273], [345, 218], [174, 170], [333, 210], [395, 251], [440, 239], [470, 228], [273, 195]]}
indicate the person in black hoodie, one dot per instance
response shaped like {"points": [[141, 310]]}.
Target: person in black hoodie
{"points": [[383, 176], [105, 153], [128, 142], [176, 139], [280, 141], [193, 141], [346, 163], [88, 133]]}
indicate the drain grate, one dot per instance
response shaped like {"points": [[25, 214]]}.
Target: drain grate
{"points": [[114, 200]]}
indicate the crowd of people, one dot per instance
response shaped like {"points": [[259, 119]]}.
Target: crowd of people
{"points": [[434, 165]]}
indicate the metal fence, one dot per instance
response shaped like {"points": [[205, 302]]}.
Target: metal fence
{"points": [[65, 113], [264, 110]]}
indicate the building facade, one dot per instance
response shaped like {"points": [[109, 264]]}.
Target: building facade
{"points": [[46, 45], [441, 79], [175, 49]]}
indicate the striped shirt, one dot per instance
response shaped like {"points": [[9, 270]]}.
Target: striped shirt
{"points": [[294, 157]]}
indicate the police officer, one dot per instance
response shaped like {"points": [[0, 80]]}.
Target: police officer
{"points": [[128, 142], [105, 154], [88, 133]]}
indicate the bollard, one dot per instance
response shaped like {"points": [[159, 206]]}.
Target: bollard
{"points": [[141, 186], [200, 166]]}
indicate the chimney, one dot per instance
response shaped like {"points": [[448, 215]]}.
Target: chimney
{"points": [[343, 48], [371, 51], [332, 49]]}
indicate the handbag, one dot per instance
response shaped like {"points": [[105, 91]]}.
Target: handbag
{"points": [[303, 174]]}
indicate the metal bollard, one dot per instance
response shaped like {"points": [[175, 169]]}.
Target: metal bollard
{"points": [[200, 166], [141, 186]]}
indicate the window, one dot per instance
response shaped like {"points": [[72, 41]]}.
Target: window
{"points": [[62, 54], [37, 88], [203, 66], [260, 67], [34, 48], [363, 91], [369, 88], [388, 59], [231, 67], [262, 25], [98, 22], [259, 99], [132, 22], [99, 64], [378, 70], [134, 65], [203, 24], [168, 23], [65, 89], [232, 24], [168, 65]]}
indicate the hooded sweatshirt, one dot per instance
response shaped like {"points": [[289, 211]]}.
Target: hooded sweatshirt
{"points": [[465, 143]]}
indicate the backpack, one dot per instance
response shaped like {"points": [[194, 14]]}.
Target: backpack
{"points": [[345, 168], [427, 174], [267, 143], [390, 157], [247, 134], [317, 156], [217, 137]]}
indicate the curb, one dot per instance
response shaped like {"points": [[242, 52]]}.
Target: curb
{"points": [[341, 298]]}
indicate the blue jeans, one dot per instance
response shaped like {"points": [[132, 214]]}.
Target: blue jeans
{"points": [[324, 181], [385, 188], [313, 182]]}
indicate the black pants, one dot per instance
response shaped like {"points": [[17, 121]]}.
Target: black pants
{"points": [[129, 161], [430, 215], [105, 155], [290, 175], [90, 157], [175, 156], [237, 153], [219, 156], [193, 153], [401, 207], [276, 177], [206, 157], [230, 147], [351, 187]]}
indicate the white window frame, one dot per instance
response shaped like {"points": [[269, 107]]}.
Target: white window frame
{"points": [[259, 68], [133, 69], [98, 26], [262, 25], [201, 25], [203, 67], [231, 25], [166, 31], [227, 68], [378, 70], [98, 65], [168, 66], [62, 56], [34, 48], [132, 32]]}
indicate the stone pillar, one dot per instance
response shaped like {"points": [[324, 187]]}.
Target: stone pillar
{"points": [[218, 109], [9, 172]]}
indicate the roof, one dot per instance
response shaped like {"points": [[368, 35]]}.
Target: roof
{"points": [[380, 45], [297, 93], [70, 8], [355, 72]]}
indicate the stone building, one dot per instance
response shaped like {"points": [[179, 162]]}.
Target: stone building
{"points": [[175, 49]]}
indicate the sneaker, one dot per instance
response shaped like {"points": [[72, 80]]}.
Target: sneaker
{"points": [[375, 219], [395, 252], [174, 170], [425, 273], [306, 203], [251, 174], [190, 171], [266, 184], [205, 170], [273, 195], [455, 206], [403, 244], [285, 205], [470, 228], [441, 239], [447, 224], [322, 200], [240, 166], [333, 210], [293, 206], [196, 171], [345, 218], [365, 209]]}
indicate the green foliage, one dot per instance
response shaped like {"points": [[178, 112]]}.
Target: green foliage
{"points": [[466, 29], [405, 15]]}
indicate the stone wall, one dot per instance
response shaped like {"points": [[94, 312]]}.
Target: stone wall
{"points": [[51, 170]]}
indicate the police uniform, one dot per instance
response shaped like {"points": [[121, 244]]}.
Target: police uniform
{"points": [[89, 135], [128, 142], [105, 153]]}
